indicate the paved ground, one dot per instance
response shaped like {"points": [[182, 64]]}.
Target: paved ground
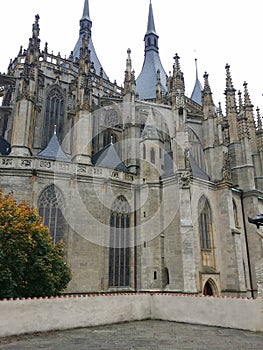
{"points": [[143, 335]]}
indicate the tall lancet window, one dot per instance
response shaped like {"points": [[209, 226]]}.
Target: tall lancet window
{"points": [[205, 224], [119, 251], [208, 258], [54, 114], [50, 206]]}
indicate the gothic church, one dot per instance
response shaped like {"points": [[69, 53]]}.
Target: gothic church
{"points": [[149, 189]]}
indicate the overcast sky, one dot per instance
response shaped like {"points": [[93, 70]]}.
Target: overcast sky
{"points": [[214, 32]]}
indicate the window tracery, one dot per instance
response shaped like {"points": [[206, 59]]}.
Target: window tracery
{"points": [[50, 206], [119, 251], [54, 114]]}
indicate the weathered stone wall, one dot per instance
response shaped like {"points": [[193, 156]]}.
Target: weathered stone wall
{"points": [[45, 314], [259, 276]]}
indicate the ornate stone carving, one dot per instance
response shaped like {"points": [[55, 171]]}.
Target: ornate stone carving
{"points": [[26, 163], [226, 169], [259, 276], [185, 179], [7, 161], [45, 164]]}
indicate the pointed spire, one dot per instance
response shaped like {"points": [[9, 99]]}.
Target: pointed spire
{"points": [[251, 122], [86, 11], [259, 120], [229, 83], [150, 130], [197, 91], [240, 103], [207, 95], [231, 107], [85, 28], [147, 79], [247, 100], [230, 93], [243, 129], [150, 24], [34, 42], [196, 70], [178, 75], [176, 66], [129, 80]]}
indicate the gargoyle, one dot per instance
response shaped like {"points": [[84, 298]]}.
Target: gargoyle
{"points": [[257, 220]]}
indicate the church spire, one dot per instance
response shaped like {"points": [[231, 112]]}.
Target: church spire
{"points": [[249, 113], [129, 80], [197, 91], [208, 104], [231, 106], [85, 29], [148, 78], [151, 37], [150, 24], [86, 11]]}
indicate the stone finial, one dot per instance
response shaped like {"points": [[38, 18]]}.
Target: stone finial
{"points": [[259, 120]]}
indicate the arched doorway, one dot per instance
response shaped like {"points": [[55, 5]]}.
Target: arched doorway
{"points": [[210, 288]]}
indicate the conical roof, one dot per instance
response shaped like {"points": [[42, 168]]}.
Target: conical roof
{"points": [[85, 27], [107, 157], [5, 147], [53, 150], [150, 130], [197, 93], [147, 79]]}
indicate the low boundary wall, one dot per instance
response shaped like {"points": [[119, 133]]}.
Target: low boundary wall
{"points": [[20, 316]]}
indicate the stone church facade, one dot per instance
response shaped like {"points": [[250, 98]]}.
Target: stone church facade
{"points": [[149, 189]]}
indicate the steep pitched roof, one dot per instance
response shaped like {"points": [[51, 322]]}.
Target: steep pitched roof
{"points": [[85, 27], [196, 170], [53, 150], [147, 79], [108, 158], [198, 89], [150, 130], [5, 147]]}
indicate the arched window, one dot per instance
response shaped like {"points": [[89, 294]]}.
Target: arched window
{"points": [[54, 114], [235, 214], [166, 276], [152, 155], [144, 151], [119, 251], [50, 206], [205, 224]]}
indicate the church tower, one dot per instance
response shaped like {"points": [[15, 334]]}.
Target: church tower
{"points": [[149, 188], [85, 28], [25, 111], [152, 70]]}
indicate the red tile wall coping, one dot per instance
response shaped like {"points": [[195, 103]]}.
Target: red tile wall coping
{"points": [[88, 295]]}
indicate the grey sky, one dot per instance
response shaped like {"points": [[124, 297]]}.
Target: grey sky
{"points": [[216, 32]]}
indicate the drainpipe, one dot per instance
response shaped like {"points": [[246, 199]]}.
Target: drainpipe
{"points": [[135, 240], [246, 239]]}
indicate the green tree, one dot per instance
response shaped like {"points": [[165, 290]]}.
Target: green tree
{"points": [[30, 263]]}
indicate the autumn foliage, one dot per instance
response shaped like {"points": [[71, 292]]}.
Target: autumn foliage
{"points": [[30, 264]]}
